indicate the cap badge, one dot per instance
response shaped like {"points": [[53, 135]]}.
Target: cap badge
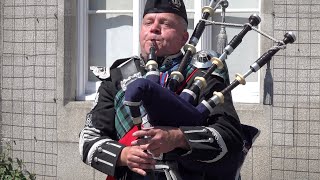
{"points": [[176, 3]]}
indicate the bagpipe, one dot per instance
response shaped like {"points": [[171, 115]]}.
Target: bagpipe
{"points": [[158, 101], [164, 107]]}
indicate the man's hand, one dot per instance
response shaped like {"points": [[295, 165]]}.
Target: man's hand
{"points": [[160, 139], [137, 159]]}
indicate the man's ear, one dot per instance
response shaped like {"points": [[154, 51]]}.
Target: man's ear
{"points": [[185, 37]]}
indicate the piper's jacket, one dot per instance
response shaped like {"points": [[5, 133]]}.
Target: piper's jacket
{"points": [[216, 147]]}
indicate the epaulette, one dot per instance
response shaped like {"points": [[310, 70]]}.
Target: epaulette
{"points": [[100, 72], [103, 73]]}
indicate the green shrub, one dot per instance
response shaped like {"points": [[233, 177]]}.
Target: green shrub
{"points": [[13, 168]]}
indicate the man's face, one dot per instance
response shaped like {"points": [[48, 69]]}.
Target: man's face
{"points": [[166, 30]]}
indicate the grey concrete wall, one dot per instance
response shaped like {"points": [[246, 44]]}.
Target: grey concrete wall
{"points": [[288, 147]]}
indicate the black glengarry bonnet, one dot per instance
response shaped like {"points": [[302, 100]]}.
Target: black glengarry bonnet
{"points": [[166, 6]]}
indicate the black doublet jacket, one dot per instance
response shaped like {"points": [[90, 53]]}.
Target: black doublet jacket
{"points": [[216, 147]]}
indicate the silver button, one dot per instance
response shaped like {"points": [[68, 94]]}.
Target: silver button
{"points": [[99, 149]]}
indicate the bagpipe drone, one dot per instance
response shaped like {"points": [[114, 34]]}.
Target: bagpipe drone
{"points": [[158, 101]]}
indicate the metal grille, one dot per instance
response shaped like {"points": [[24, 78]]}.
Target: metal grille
{"points": [[28, 83], [295, 152]]}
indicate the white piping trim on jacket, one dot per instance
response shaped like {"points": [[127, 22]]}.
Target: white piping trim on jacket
{"points": [[94, 148], [221, 143]]}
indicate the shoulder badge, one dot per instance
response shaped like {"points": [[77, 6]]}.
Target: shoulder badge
{"points": [[100, 72]]}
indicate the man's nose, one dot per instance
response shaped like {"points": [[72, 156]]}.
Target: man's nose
{"points": [[155, 28]]}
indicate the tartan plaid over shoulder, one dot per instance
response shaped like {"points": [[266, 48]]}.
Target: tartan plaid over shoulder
{"points": [[123, 120]]}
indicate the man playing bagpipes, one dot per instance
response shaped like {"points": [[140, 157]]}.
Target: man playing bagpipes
{"points": [[109, 143]]}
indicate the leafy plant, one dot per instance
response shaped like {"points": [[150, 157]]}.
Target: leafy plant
{"points": [[13, 168]]}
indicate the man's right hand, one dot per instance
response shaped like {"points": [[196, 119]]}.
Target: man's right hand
{"points": [[137, 159]]}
